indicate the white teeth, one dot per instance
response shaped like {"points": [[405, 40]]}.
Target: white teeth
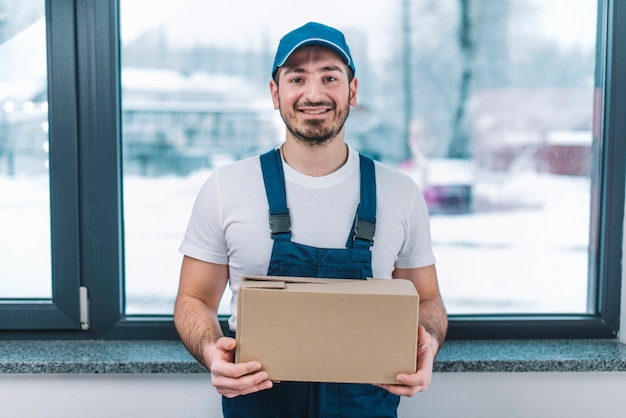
{"points": [[314, 112]]}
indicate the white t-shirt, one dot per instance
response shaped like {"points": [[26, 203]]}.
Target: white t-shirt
{"points": [[229, 222]]}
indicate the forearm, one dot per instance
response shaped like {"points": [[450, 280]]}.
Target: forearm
{"points": [[434, 319], [197, 326]]}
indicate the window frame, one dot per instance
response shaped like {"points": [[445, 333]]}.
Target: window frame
{"points": [[62, 311], [85, 106], [605, 275]]}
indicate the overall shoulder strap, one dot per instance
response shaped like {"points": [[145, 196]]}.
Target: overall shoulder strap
{"points": [[274, 179], [365, 222]]}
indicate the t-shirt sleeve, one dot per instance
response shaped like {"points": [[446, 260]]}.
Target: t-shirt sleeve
{"points": [[204, 237], [417, 249]]}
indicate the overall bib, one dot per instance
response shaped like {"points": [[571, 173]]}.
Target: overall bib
{"points": [[304, 399]]}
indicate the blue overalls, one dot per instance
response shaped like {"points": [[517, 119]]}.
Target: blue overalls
{"points": [[304, 399]]}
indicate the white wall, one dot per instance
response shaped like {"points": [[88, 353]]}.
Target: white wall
{"points": [[467, 395], [520, 395]]}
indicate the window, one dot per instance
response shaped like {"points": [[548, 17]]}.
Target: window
{"points": [[528, 242], [38, 207], [24, 155]]}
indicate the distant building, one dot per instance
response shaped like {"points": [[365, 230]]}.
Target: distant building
{"points": [[548, 129], [176, 123], [171, 122]]}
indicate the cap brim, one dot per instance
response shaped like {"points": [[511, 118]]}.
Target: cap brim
{"points": [[319, 42]]}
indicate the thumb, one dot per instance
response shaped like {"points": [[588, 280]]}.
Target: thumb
{"points": [[424, 344], [227, 343]]}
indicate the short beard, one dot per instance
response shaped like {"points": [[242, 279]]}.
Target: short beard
{"points": [[316, 140]]}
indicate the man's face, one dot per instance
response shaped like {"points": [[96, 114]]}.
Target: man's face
{"points": [[313, 94]]}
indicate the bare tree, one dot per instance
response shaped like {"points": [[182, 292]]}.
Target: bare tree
{"points": [[407, 74], [459, 145]]}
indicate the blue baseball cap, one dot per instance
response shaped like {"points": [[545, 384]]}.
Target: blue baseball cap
{"points": [[312, 34]]}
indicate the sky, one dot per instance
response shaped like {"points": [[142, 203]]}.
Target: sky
{"points": [[570, 22], [251, 24], [192, 22]]}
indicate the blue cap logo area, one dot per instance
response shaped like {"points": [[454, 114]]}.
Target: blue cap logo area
{"points": [[312, 34]]}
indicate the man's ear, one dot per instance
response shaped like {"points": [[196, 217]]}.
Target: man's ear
{"points": [[353, 88], [274, 92]]}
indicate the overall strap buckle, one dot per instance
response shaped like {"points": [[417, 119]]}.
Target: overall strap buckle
{"points": [[280, 223], [364, 230]]}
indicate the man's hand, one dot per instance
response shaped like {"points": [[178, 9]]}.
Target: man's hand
{"points": [[232, 379], [410, 384]]}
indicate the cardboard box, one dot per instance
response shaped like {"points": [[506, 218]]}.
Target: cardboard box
{"points": [[328, 330]]}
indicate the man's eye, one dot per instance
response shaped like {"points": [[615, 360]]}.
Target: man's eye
{"points": [[295, 80], [330, 78]]}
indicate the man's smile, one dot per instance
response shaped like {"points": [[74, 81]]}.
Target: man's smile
{"points": [[314, 111]]}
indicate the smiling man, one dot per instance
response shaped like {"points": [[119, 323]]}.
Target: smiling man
{"points": [[316, 94], [323, 187], [314, 100]]}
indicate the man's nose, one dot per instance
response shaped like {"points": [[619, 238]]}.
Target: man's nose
{"points": [[314, 91]]}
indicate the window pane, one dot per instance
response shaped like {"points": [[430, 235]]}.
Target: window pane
{"points": [[497, 129], [24, 177], [521, 243]]}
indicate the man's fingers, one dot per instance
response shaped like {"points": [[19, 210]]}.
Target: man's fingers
{"points": [[234, 379], [235, 370], [231, 387], [410, 384], [402, 390], [243, 369]]}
